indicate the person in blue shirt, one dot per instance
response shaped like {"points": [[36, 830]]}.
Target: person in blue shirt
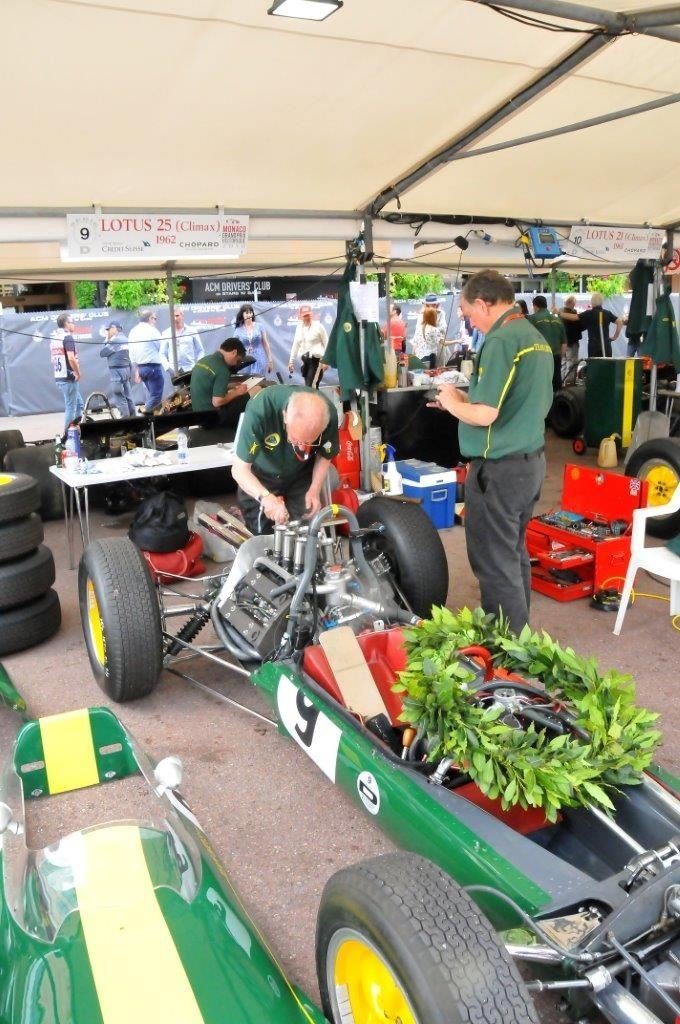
{"points": [[116, 351]]}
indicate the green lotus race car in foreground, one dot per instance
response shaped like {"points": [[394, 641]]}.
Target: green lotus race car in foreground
{"points": [[519, 775]]}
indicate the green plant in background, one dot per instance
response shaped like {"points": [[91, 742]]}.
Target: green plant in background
{"points": [[142, 292], [613, 284], [414, 286], [612, 742], [85, 294], [560, 281]]}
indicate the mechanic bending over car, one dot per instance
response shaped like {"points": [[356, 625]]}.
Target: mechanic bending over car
{"points": [[287, 437], [502, 431], [210, 383]]}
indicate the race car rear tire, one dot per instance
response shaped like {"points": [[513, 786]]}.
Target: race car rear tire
{"points": [[35, 460], [413, 548], [658, 462], [397, 935], [19, 496], [24, 579], [9, 440], [121, 619], [30, 624], [21, 536]]}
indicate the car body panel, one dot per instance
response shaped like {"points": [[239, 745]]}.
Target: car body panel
{"points": [[126, 922]]}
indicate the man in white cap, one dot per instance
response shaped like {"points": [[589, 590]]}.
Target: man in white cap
{"points": [[116, 351], [310, 344]]}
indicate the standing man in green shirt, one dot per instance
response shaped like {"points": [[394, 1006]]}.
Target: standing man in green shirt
{"points": [[501, 430], [210, 383], [286, 440], [552, 329]]}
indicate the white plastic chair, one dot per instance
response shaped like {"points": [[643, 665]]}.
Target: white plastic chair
{"points": [[658, 560]]}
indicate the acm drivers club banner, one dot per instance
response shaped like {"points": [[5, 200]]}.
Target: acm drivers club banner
{"points": [[27, 384]]}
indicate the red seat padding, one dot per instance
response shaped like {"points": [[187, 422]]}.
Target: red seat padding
{"points": [[515, 817], [385, 655]]}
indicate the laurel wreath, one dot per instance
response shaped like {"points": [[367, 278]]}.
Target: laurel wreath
{"points": [[530, 767]]}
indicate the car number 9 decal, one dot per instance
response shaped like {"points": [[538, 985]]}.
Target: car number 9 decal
{"points": [[308, 726]]}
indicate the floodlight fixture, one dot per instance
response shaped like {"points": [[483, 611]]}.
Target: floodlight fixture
{"points": [[307, 10]]}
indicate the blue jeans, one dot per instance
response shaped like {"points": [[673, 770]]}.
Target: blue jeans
{"points": [[121, 390], [153, 380], [73, 401]]}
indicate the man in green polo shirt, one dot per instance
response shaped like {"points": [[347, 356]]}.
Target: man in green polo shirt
{"points": [[501, 430], [552, 329], [286, 440], [210, 383]]}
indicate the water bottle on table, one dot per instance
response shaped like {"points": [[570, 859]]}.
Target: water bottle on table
{"points": [[182, 446]]}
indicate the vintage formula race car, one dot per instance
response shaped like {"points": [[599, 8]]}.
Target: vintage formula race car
{"points": [[596, 894], [136, 920]]}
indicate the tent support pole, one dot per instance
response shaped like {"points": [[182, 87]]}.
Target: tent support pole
{"points": [[171, 310], [502, 114], [649, 23]]}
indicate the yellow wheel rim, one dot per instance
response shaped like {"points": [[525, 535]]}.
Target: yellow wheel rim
{"points": [[365, 987], [662, 481], [5, 479], [96, 627]]}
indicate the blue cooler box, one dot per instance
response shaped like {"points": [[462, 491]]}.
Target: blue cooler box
{"points": [[434, 485]]}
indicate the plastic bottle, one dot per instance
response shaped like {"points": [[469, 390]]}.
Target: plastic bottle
{"points": [[182, 446], [391, 477], [73, 440], [390, 372], [58, 450]]}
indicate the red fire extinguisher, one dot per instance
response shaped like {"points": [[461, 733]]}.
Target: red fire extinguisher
{"points": [[348, 460]]}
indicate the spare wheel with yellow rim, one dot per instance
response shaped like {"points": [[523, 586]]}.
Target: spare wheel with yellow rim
{"points": [[658, 463], [121, 619], [19, 496], [398, 941]]}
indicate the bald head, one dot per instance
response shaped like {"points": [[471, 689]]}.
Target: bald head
{"points": [[596, 299], [306, 416]]}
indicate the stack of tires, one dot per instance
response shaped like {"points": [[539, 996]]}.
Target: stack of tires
{"points": [[35, 460], [29, 608]]}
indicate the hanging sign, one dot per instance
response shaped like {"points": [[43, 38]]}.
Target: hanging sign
{"points": [[620, 245], [157, 236]]}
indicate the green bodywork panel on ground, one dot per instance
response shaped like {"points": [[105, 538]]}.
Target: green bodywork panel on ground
{"points": [[418, 816]]}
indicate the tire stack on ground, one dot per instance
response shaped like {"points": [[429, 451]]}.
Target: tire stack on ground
{"points": [[29, 608], [35, 460]]}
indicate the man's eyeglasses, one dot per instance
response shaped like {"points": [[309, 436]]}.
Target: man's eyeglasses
{"points": [[303, 449]]}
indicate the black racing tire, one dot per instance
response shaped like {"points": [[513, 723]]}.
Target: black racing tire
{"points": [[658, 462], [20, 537], [401, 925], [35, 460], [10, 439], [27, 578], [567, 411], [413, 548], [19, 496], [30, 624], [121, 619]]}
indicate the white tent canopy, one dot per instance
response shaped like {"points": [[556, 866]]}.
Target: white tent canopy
{"points": [[197, 104]]}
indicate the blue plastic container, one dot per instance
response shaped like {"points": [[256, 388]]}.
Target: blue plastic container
{"points": [[434, 485]]}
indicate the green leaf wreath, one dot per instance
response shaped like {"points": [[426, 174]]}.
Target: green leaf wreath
{"points": [[530, 767]]}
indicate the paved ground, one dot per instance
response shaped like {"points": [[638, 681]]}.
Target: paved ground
{"points": [[279, 826]]}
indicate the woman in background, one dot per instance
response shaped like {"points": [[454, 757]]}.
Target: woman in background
{"points": [[255, 341]]}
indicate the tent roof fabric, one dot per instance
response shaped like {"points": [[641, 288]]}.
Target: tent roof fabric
{"points": [[194, 104]]}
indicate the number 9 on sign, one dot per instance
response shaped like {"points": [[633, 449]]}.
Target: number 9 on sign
{"points": [[84, 234]]}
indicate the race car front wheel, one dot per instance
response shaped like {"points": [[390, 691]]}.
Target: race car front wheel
{"points": [[398, 940], [413, 548], [658, 462], [121, 619]]}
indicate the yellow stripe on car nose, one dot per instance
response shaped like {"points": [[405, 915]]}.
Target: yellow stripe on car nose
{"points": [[137, 970], [68, 751]]}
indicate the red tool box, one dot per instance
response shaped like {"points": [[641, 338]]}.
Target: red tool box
{"points": [[585, 544]]}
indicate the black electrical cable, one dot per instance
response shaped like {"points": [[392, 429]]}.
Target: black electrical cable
{"points": [[551, 26]]}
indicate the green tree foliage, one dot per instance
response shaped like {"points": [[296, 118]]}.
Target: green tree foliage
{"points": [[414, 286], [142, 292], [85, 294], [613, 284]]}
